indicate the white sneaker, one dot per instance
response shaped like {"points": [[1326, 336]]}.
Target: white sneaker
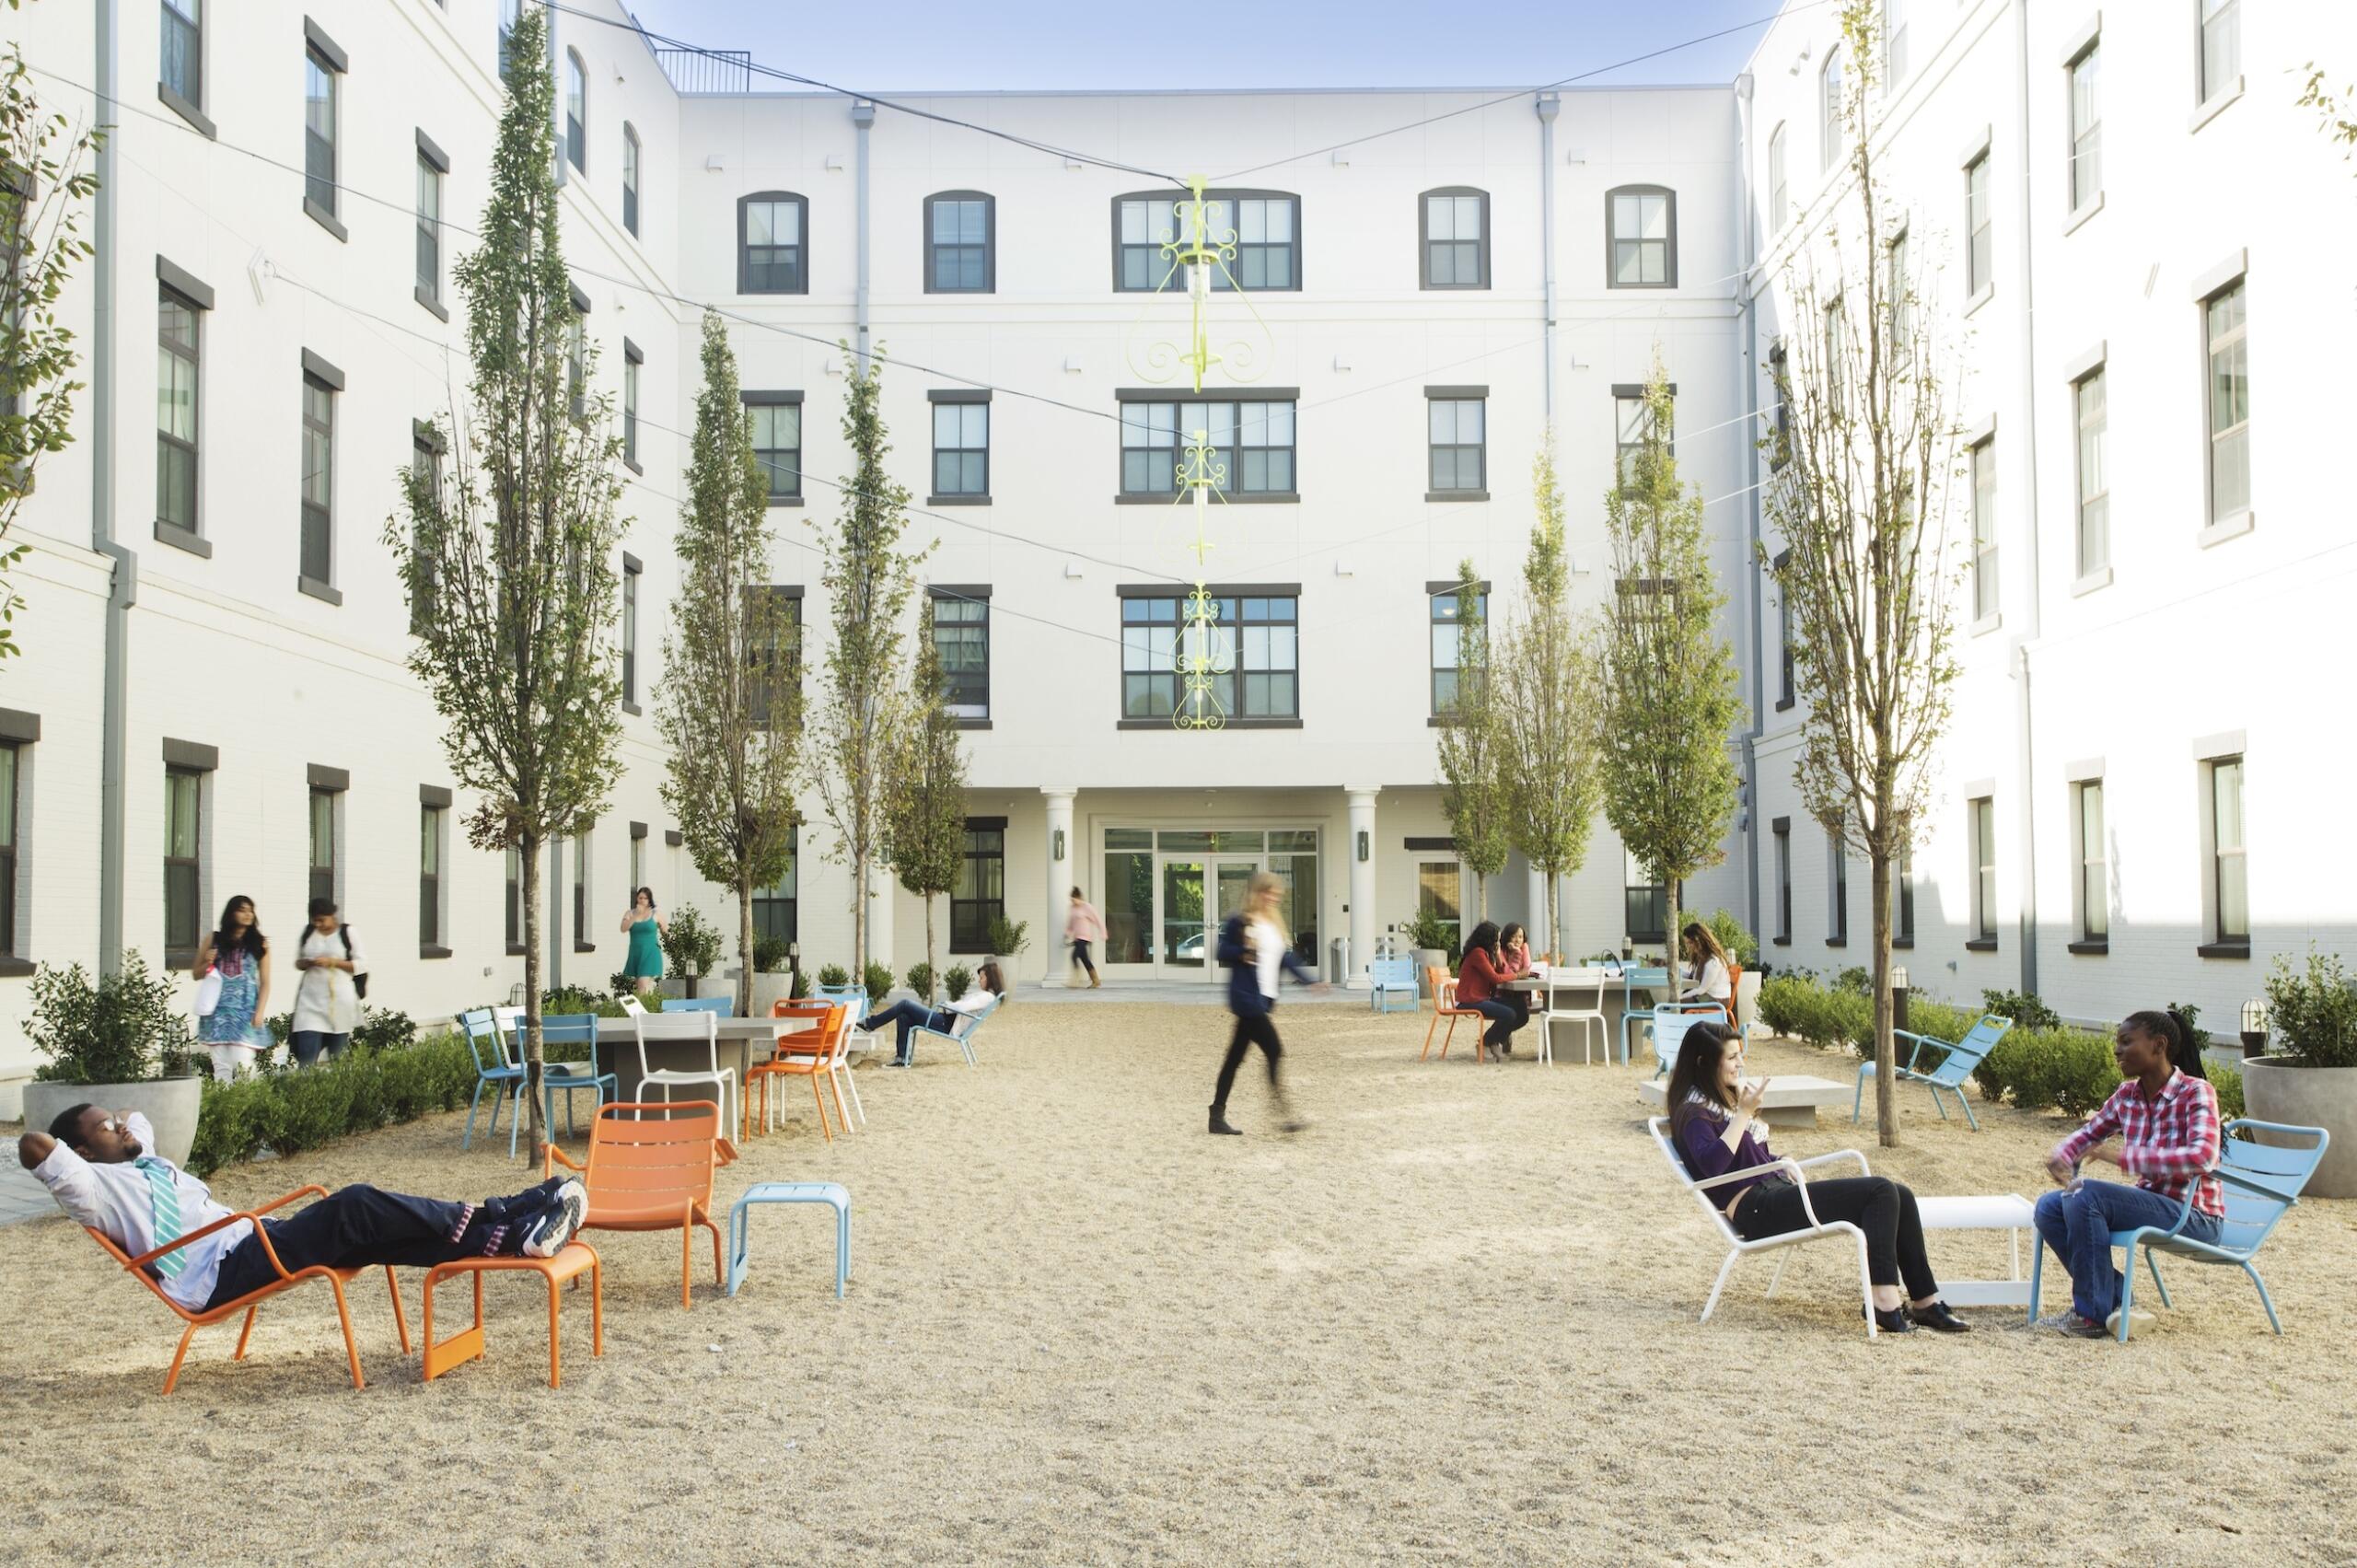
{"points": [[559, 1223], [2135, 1315]]}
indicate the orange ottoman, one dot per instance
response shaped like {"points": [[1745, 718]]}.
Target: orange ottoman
{"points": [[467, 1344]]}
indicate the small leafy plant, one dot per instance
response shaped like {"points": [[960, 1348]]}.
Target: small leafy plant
{"points": [[1009, 937], [878, 982], [770, 955], [125, 1028], [2024, 1008], [690, 943], [2315, 1010], [957, 981], [920, 979], [833, 974]]}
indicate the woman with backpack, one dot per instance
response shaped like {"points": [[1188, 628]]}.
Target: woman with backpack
{"points": [[326, 999]]}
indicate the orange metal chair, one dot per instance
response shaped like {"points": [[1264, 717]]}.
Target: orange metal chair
{"points": [[467, 1344], [251, 1303], [1445, 1007], [653, 1172], [810, 1053]]}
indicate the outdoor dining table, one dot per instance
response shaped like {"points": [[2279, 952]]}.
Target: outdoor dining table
{"points": [[676, 1041], [1545, 983], [1624, 985]]}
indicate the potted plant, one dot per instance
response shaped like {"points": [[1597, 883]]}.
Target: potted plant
{"points": [[690, 947], [120, 1043], [1430, 937], [1008, 938], [773, 974], [2311, 1080]]}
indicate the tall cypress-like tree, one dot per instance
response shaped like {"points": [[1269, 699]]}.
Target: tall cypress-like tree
{"points": [[924, 790], [1668, 703], [1473, 739], [506, 550], [730, 704]]}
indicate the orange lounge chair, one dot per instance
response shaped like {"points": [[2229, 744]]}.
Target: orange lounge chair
{"points": [[251, 1303], [808, 1053], [655, 1173], [1445, 1005]]}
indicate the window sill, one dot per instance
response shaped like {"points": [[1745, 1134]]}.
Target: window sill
{"points": [[632, 464], [2099, 578], [2103, 946], [14, 968], [1783, 704], [428, 950], [179, 538], [2072, 224], [1448, 495], [972, 724], [2231, 526], [631, 708], [1164, 722], [2216, 105], [785, 500], [1251, 498], [1836, 941], [1780, 941], [325, 592], [1987, 623], [1979, 298], [1982, 945], [956, 500], [325, 219], [178, 959], [514, 949], [431, 303], [585, 946], [2223, 950], [196, 116]]}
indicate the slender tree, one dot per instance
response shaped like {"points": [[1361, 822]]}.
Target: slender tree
{"points": [[1860, 498], [1667, 703], [43, 184], [924, 790], [1542, 680], [729, 715], [508, 557], [1473, 741], [868, 579]]}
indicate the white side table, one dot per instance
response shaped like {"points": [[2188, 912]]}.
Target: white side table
{"points": [[2007, 1212]]}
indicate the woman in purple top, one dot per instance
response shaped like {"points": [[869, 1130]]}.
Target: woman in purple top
{"points": [[1711, 1120]]}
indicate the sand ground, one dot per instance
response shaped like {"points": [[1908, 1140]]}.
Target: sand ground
{"points": [[1453, 1322]]}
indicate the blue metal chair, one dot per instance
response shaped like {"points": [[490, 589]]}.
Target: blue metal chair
{"points": [[833, 1193], [854, 999], [1949, 1073], [565, 1077], [718, 1006], [2261, 1181], [483, 1037], [1390, 981], [1633, 980], [964, 1042], [1669, 1024]]}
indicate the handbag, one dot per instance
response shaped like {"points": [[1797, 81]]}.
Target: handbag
{"points": [[208, 994], [359, 977]]}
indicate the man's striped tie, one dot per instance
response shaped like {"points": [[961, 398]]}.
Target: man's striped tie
{"points": [[164, 1186]]}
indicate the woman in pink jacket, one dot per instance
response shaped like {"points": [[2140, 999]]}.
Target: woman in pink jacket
{"points": [[1083, 926]]}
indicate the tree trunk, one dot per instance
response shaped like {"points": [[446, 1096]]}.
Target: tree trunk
{"points": [[1676, 908], [1554, 941], [933, 980], [1481, 895], [859, 909], [744, 945], [1886, 1101], [528, 851]]}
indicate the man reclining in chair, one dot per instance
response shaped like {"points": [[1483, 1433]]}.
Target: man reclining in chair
{"points": [[95, 1163]]}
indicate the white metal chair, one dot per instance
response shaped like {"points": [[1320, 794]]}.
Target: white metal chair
{"points": [[633, 1007], [1550, 1014], [699, 1025], [1739, 1247], [837, 1065]]}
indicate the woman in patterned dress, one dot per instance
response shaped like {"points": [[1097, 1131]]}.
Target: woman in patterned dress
{"points": [[236, 1031]]}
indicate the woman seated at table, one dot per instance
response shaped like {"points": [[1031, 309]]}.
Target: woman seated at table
{"points": [[1707, 973], [1513, 958], [1478, 978], [909, 1015], [1711, 1107]]}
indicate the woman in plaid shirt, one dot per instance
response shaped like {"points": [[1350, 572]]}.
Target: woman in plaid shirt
{"points": [[2161, 1127]]}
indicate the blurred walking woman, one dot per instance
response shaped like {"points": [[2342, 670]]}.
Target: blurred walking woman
{"points": [[644, 928], [1256, 950], [235, 1029]]}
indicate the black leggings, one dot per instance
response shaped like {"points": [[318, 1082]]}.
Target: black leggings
{"points": [[1882, 1207], [1260, 1030], [1080, 955]]}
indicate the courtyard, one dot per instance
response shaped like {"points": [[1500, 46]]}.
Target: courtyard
{"points": [[1453, 1321]]}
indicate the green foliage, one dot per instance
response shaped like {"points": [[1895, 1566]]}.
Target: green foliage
{"points": [[833, 974], [920, 979], [2025, 1010], [1740, 944], [2336, 112], [2062, 1068], [1008, 937], [367, 1088], [1425, 930], [124, 1028], [1473, 739], [925, 787], [1795, 1006], [770, 955], [622, 982], [877, 981], [957, 981], [2314, 1010], [385, 1028], [1855, 981], [690, 943], [567, 1001]]}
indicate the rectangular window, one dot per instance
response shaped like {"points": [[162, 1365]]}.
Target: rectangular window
{"points": [[631, 574], [514, 898], [1644, 238], [2094, 485], [1268, 654], [1984, 869], [2095, 883], [1149, 658], [319, 480], [429, 877], [1984, 530], [580, 891], [2230, 876], [183, 70], [1836, 358], [961, 633], [1266, 242], [1779, 198], [1265, 432], [183, 896], [426, 473], [1440, 894], [979, 896], [637, 857], [631, 367], [1263, 683], [1785, 635], [1981, 245], [777, 908], [322, 838], [2086, 130], [1902, 898], [2222, 47], [429, 228], [1459, 433], [576, 369], [1830, 107], [1894, 42], [319, 131], [1448, 640], [11, 759], [1457, 234], [510, 13], [958, 239], [1783, 835], [629, 179], [773, 247], [1632, 425], [1251, 446], [2229, 395], [1645, 903], [1899, 299], [1836, 912], [777, 446], [577, 111], [176, 410], [1149, 449], [1780, 451], [779, 662], [961, 449]]}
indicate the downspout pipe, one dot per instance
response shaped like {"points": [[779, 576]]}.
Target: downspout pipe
{"points": [[2032, 603], [1547, 106], [1747, 366], [122, 582], [862, 116]]}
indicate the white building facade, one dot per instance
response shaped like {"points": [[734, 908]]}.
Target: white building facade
{"points": [[1441, 279]]}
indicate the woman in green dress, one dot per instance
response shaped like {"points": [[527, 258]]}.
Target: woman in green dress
{"points": [[645, 930]]}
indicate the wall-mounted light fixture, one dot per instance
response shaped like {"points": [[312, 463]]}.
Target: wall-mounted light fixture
{"points": [[1362, 844], [1060, 844]]}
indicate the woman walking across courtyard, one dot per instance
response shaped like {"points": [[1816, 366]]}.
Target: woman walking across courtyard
{"points": [[645, 930], [1256, 951], [235, 1028], [1083, 926]]}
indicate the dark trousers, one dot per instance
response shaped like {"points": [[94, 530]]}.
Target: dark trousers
{"points": [[908, 1016], [1882, 1207], [358, 1227], [1080, 954], [1504, 1019], [309, 1045], [1261, 1030]]}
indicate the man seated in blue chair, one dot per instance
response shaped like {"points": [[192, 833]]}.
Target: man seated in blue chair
{"points": [[2160, 1126], [95, 1163], [909, 1015]]}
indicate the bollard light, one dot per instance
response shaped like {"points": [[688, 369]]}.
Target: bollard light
{"points": [[1897, 996], [2256, 1026]]}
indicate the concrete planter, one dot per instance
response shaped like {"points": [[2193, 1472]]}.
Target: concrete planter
{"points": [[1429, 958], [2276, 1089], [1747, 1001], [170, 1105], [771, 989]]}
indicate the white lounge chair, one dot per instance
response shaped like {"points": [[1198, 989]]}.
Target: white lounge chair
{"points": [[1738, 1247]]}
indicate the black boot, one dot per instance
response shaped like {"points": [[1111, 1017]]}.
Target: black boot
{"points": [[1219, 1121]]}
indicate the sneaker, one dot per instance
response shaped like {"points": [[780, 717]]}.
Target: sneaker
{"points": [[2135, 1315], [2080, 1327], [558, 1223]]}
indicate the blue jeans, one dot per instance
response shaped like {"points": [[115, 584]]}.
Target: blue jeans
{"points": [[2078, 1225], [1504, 1019], [308, 1045], [908, 1014]]}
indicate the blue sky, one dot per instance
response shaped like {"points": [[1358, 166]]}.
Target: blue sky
{"points": [[886, 45]]}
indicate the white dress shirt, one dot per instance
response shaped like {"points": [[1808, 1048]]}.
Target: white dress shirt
{"points": [[968, 1008], [116, 1201], [326, 1000], [1711, 982]]}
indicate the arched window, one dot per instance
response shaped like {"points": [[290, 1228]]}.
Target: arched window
{"points": [[1267, 225], [1779, 197], [960, 243], [576, 110], [1640, 221], [1830, 102], [773, 243], [630, 177], [1453, 225]]}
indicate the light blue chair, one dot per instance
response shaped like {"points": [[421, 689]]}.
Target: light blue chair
{"points": [[565, 1077], [1669, 1023], [851, 996], [964, 1042], [833, 1193], [1633, 980], [1391, 985], [1949, 1073], [2261, 1181], [718, 1006], [501, 1074]]}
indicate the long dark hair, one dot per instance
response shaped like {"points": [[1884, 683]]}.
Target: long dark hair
{"points": [[225, 935], [1706, 946], [1485, 936], [649, 894], [993, 979], [2172, 1029], [1699, 1056], [1509, 931]]}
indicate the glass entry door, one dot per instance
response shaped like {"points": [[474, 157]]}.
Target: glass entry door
{"points": [[1185, 941], [1165, 892]]}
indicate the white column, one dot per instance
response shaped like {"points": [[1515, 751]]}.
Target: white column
{"points": [[1062, 859], [1359, 850], [1535, 922]]}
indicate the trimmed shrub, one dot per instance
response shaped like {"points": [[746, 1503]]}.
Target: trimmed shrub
{"points": [[957, 981], [2071, 1071], [770, 955], [2315, 1010], [1855, 980], [360, 1090], [879, 982], [919, 978], [833, 974]]}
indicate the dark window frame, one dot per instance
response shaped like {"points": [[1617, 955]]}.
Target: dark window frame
{"points": [[970, 913], [1156, 271], [964, 687], [790, 496], [633, 570], [322, 875], [1436, 595], [185, 97], [634, 156], [322, 191], [1781, 833], [797, 266], [192, 448], [430, 839], [989, 247], [1228, 460], [11, 834], [1784, 696], [514, 898], [788, 650], [1145, 611], [777, 914], [190, 867], [1424, 240], [964, 405], [434, 170], [1983, 842], [1836, 903], [1613, 240], [634, 364], [1455, 398], [318, 517], [572, 130], [2221, 935]]}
